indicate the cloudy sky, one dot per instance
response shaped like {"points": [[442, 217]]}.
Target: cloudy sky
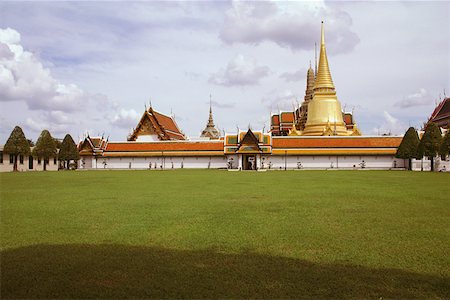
{"points": [[77, 67]]}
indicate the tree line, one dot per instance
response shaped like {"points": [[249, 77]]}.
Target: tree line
{"points": [[45, 148], [430, 145]]}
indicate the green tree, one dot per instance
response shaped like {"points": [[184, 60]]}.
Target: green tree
{"points": [[409, 146], [17, 145], [45, 147], [68, 150], [445, 145], [57, 143], [430, 143]]}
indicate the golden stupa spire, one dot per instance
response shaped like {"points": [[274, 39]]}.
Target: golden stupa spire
{"points": [[324, 110], [323, 81]]}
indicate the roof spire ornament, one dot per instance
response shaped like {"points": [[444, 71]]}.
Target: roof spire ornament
{"points": [[323, 82], [210, 130]]}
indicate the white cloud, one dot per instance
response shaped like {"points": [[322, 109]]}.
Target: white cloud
{"points": [[415, 99], [289, 24], [390, 126], [37, 124], [222, 105], [125, 118], [53, 105], [240, 71], [280, 100], [294, 76], [24, 78], [9, 36]]}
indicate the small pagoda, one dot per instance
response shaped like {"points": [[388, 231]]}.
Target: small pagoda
{"points": [[210, 130]]}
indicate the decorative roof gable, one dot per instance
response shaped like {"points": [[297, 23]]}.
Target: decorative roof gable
{"points": [[155, 123], [249, 143]]}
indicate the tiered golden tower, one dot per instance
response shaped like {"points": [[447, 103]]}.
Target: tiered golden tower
{"points": [[324, 110], [310, 78]]}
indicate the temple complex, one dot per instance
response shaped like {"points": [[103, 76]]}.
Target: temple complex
{"points": [[320, 114], [316, 135]]}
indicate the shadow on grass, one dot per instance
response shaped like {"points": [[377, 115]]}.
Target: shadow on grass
{"points": [[120, 271]]}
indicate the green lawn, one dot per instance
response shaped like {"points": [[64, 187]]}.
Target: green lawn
{"points": [[212, 233]]}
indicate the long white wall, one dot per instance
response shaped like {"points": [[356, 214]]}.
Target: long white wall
{"points": [[212, 162], [332, 162], [385, 162]]}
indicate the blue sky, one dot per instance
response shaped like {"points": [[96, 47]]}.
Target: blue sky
{"points": [[77, 67]]}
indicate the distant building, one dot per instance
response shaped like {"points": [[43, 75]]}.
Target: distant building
{"points": [[26, 162], [210, 130]]}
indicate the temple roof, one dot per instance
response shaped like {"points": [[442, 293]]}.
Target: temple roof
{"points": [[165, 146], [441, 114], [287, 117], [155, 123], [336, 142]]}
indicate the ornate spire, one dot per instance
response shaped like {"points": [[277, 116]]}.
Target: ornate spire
{"points": [[210, 119], [324, 116], [210, 130], [324, 82], [309, 84]]}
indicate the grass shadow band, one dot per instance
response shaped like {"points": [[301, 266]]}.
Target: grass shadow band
{"points": [[120, 271]]}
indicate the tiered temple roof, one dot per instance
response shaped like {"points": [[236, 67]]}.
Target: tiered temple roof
{"points": [[165, 148], [158, 126], [441, 114], [210, 130]]}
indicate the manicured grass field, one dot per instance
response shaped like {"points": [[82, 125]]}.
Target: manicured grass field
{"points": [[212, 233]]}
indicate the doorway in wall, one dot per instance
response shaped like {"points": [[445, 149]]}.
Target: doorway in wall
{"points": [[30, 162], [249, 162]]}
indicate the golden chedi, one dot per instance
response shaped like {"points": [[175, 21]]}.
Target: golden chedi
{"points": [[324, 110]]}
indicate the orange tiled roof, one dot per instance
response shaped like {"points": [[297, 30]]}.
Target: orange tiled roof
{"points": [[333, 142], [167, 123], [275, 120], [348, 119], [287, 117], [164, 146]]}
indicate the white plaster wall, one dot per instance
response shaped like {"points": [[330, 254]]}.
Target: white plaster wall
{"points": [[332, 162], [7, 167], [160, 162], [147, 138], [278, 162], [234, 160], [425, 164]]}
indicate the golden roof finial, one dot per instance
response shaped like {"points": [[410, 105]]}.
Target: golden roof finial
{"points": [[323, 76], [322, 36]]}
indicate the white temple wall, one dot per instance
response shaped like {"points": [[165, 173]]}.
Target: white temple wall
{"points": [[425, 164], [167, 162], [332, 162], [276, 162]]}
